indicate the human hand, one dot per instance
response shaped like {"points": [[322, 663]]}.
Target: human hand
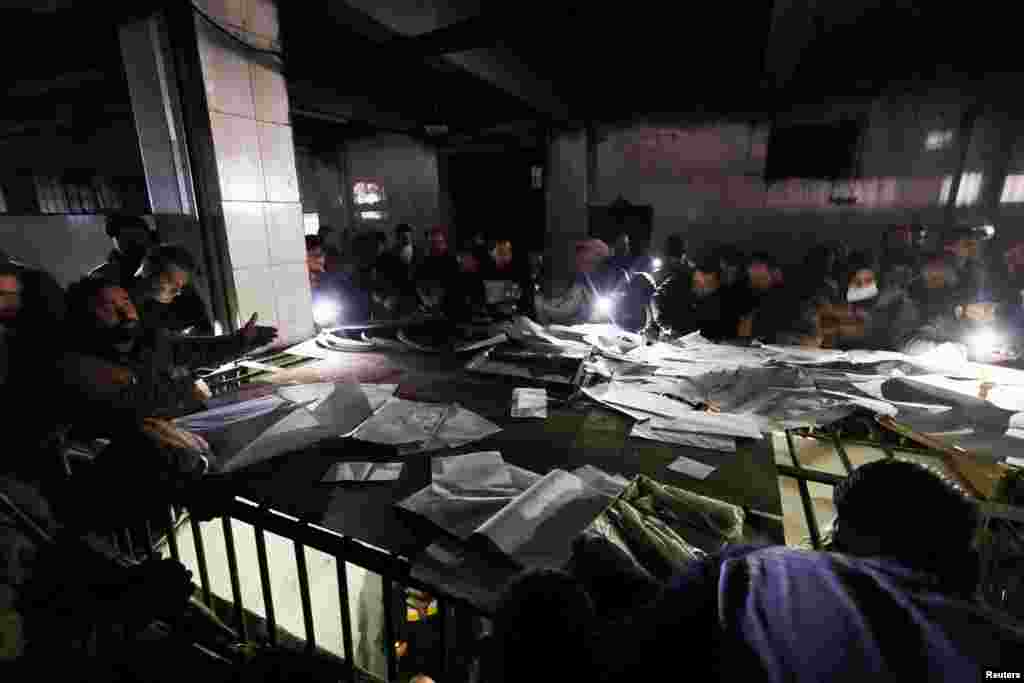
{"points": [[201, 390], [257, 335]]}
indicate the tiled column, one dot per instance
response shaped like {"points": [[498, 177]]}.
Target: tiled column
{"points": [[252, 137]]}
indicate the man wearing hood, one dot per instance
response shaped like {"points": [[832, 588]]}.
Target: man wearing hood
{"points": [[116, 372], [871, 318]]}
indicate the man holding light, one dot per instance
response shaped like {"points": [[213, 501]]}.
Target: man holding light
{"points": [[971, 326], [335, 299]]}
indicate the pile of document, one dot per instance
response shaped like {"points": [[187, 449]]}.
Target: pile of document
{"points": [[528, 518], [300, 416]]}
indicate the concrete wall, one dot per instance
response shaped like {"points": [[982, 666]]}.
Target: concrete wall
{"points": [[67, 246], [707, 182], [407, 171]]}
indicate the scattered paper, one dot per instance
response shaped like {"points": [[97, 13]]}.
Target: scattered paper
{"points": [[646, 430], [1015, 433], [720, 424], [691, 468], [609, 484], [631, 398], [218, 418], [363, 471], [400, 422], [1017, 462], [309, 349], [528, 402]]}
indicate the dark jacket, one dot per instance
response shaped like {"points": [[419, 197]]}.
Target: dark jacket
{"points": [[781, 614], [188, 310], [678, 311], [104, 389], [889, 320]]}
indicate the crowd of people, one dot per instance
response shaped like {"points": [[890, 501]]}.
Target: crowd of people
{"points": [[110, 363]]}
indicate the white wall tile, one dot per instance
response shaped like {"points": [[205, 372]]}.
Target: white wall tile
{"points": [[247, 234], [228, 11], [277, 152], [294, 301], [225, 74], [255, 289], [285, 233], [237, 145], [260, 17], [271, 94]]}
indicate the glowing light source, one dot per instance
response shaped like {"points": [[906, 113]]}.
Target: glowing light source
{"points": [[983, 342], [989, 230], [938, 139], [367, 193], [371, 215], [656, 263], [605, 305], [326, 312]]}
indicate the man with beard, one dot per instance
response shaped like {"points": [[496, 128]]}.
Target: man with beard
{"points": [[696, 303], [115, 371], [163, 293], [871, 318], [134, 245]]}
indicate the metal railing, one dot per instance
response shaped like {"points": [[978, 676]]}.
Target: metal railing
{"points": [[392, 569]]}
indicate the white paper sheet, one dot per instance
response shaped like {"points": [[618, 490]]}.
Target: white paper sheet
{"points": [[631, 398], [691, 468], [875, 406], [609, 484], [711, 442], [309, 349], [401, 422], [537, 529], [1015, 433], [529, 402], [1017, 462], [719, 424], [363, 471], [803, 355]]}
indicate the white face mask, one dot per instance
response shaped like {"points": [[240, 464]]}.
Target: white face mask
{"points": [[406, 254], [855, 294]]}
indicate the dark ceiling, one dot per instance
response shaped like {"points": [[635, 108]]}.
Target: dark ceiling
{"points": [[506, 71]]}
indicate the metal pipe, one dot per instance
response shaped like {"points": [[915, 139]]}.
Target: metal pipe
{"points": [[268, 598], [204, 574], [236, 587], [389, 628], [842, 452], [346, 617], [172, 535], [307, 606], [805, 495]]}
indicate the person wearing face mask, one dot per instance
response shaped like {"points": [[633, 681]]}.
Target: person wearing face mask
{"points": [[115, 370], [870, 318], [163, 293]]}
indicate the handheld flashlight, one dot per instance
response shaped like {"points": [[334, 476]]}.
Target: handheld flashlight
{"points": [[326, 312], [656, 263], [605, 305]]}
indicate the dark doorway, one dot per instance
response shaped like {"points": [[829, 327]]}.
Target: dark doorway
{"points": [[499, 193]]}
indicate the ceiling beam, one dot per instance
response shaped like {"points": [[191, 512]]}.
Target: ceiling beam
{"points": [[392, 24]]}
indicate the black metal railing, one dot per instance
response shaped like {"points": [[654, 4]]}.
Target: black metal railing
{"points": [[393, 570]]}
